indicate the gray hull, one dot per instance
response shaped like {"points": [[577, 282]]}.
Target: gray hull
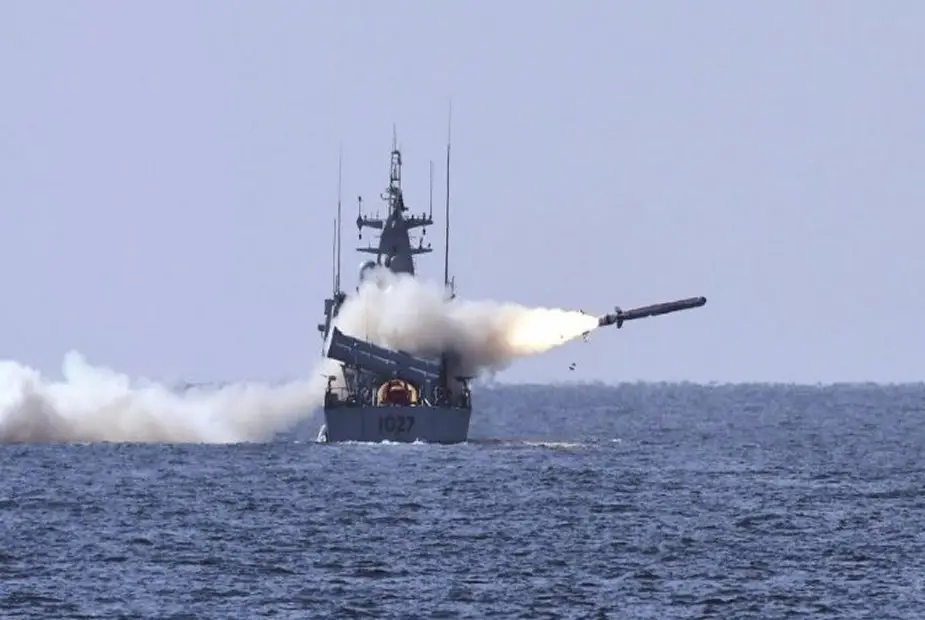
{"points": [[397, 423]]}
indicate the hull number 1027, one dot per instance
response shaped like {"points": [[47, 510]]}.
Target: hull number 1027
{"points": [[396, 423]]}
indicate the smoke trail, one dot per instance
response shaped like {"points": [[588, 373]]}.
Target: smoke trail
{"points": [[406, 313], [96, 404]]}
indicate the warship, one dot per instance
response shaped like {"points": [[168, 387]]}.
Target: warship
{"points": [[384, 394]]}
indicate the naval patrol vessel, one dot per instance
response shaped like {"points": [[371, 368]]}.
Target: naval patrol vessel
{"points": [[380, 394], [383, 394]]}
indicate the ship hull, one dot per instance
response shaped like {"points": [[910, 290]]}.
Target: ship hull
{"points": [[445, 425]]}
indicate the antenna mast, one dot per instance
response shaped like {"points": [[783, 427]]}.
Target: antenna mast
{"points": [[334, 258], [340, 160], [431, 215], [446, 246]]}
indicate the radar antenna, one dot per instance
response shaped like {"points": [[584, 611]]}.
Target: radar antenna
{"points": [[394, 195]]}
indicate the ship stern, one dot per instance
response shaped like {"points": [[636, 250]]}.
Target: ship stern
{"points": [[405, 424]]}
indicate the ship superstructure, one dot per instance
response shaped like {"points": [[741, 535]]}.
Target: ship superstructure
{"points": [[378, 393]]}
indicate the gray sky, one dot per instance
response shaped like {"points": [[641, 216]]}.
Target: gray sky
{"points": [[168, 177]]}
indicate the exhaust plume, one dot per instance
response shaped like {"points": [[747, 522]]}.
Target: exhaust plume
{"points": [[402, 312], [94, 404]]}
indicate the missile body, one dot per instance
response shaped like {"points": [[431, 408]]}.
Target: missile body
{"points": [[620, 316]]}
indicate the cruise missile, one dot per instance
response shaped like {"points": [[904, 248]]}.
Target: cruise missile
{"points": [[620, 316]]}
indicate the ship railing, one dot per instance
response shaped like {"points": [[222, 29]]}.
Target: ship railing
{"points": [[339, 397], [343, 397]]}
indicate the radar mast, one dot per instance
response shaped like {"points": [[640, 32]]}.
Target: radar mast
{"points": [[394, 249]]}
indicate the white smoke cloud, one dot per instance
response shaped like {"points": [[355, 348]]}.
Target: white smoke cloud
{"points": [[398, 311], [94, 404], [97, 404]]}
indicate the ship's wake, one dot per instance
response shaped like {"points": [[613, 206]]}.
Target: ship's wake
{"points": [[93, 404]]}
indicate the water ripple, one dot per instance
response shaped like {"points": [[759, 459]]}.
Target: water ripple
{"points": [[630, 502]]}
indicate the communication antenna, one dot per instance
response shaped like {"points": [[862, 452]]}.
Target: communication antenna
{"points": [[334, 259], [446, 241], [340, 163]]}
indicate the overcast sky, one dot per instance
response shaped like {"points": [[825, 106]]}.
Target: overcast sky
{"points": [[168, 177]]}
